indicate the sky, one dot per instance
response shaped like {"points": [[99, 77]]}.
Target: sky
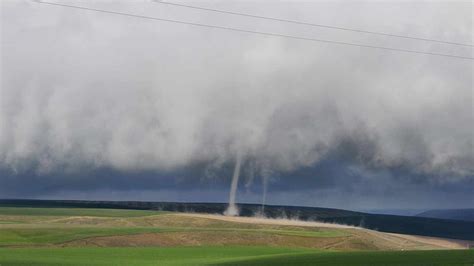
{"points": [[110, 107]]}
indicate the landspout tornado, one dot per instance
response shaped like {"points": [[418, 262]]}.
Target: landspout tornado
{"points": [[232, 209], [264, 194]]}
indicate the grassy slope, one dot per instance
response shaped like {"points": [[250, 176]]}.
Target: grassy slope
{"points": [[227, 256], [75, 212], [406, 258], [384, 223], [47, 226], [32, 236], [136, 256]]}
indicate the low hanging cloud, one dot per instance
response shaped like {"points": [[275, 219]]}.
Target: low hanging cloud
{"points": [[82, 90]]}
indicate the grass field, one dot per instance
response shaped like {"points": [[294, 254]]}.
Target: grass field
{"points": [[406, 258], [31, 236], [227, 256], [74, 236], [75, 212]]}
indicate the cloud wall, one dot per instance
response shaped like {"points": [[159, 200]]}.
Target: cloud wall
{"points": [[82, 90]]}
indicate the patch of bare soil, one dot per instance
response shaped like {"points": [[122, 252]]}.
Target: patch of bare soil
{"points": [[206, 238], [366, 239], [359, 240], [356, 238], [257, 220], [390, 241], [435, 241]]}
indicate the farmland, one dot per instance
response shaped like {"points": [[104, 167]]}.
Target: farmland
{"points": [[81, 236]]}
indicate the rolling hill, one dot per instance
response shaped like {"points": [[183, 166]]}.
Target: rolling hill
{"points": [[106, 236], [450, 214], [423, 226]]}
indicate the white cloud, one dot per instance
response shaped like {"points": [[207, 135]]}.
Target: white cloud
{"points": [[81, 89]]}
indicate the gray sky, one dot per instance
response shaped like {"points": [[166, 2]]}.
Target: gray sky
{"points": [[106, 106]]}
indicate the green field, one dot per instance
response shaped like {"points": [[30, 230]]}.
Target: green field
{"points": [[75, 212], [362, 258], [31, 236], [74, 236], [226, 256]]}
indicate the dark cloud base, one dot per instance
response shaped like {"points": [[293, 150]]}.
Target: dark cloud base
{"points": [[333, 182]]}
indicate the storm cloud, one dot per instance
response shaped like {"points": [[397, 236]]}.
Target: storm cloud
{"points": [[84, 91]]}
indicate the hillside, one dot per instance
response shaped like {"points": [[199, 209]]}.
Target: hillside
{"points": [[76, 227], [453, 214], [90, 236], [386, 223]]}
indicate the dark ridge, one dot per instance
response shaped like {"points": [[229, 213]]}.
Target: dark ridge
{"points": [[452, 214], [412, 225]]}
